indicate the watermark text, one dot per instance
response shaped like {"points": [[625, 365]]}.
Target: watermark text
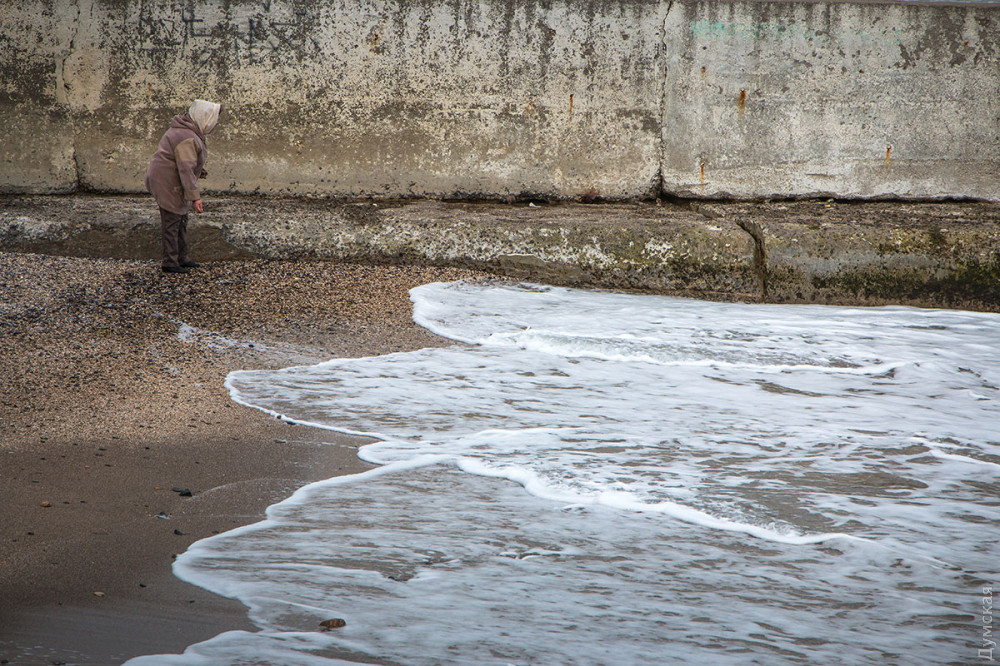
{"points": [[986, 651]]}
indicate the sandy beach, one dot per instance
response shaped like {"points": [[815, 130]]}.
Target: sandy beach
{"points": [[113, 405]]}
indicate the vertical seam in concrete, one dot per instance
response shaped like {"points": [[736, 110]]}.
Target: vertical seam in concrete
{"points": [[62, 90], [661, 65]]}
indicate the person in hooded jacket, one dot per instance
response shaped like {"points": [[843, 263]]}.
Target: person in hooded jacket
{"points": [[172, 179]]}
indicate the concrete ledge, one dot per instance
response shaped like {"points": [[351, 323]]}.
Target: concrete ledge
{"points": [[637, 246], [111, 227], [935, 255], [932, 254]]}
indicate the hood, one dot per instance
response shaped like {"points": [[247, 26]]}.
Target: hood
{"points": [[184, 121]]}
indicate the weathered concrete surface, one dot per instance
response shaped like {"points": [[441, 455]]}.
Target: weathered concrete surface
{"points": [[931, 254], [393, 99], [112, 227], [617, 99], [849, 99], [935, 255], [36, 133], [639, 246]]}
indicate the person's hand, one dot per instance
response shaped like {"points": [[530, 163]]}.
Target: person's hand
{"points": [[203, 174], [198, 208]]}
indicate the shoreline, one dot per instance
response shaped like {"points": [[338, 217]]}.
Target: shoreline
{"points": [[107, 409], [113, 373]]}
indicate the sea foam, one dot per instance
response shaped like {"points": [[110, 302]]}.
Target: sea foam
{"points": [[692, 482]]}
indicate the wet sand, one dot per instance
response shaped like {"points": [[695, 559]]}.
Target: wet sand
{"points": [[112, 402]]}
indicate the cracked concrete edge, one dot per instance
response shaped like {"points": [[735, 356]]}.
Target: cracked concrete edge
{"points": [[928, 255], [935, 255], [663, 249]]}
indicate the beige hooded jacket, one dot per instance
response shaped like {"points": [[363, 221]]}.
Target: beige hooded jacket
{"points": [[172, 176]]}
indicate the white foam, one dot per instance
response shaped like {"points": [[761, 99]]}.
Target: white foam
{"points": [[266, 648], [627, 502], [190, 334], [966, 459], [695, 472]]}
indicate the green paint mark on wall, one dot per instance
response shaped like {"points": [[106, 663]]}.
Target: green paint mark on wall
{"points": [[777, 32]]}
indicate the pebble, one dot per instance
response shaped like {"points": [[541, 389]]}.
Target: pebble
{"points": [[333, 623], [91, 333], [85, 343]]}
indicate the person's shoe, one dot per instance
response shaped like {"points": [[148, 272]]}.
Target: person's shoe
{"points": [[175, 269], [190, 264]]}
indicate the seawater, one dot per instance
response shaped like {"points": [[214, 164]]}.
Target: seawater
{"points": [[604, 478]]}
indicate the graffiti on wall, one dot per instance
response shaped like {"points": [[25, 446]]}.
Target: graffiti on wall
{"points": [[209, 34]]}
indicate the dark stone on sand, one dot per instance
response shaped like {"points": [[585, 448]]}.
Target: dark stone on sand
{"points": [[332, 623]]}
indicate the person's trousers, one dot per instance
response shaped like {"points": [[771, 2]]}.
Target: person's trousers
{"points": [[174, 234]]}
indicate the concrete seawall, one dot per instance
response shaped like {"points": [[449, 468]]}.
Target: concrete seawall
{"points": [[870, 253], [617, 99]]}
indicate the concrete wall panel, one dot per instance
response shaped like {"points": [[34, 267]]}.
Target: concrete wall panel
{"points": [[398, 98], [36, 133], [848, 100]]}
